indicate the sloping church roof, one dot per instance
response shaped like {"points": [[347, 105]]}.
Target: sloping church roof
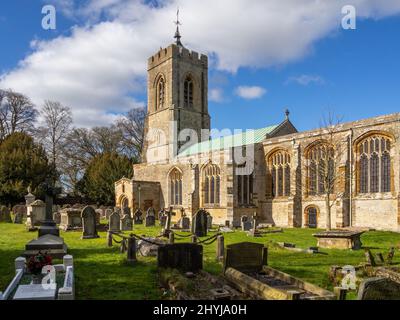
{"points": [[244, 138]]}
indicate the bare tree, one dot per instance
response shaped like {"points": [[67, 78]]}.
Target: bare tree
{"points": [[82, 145], [57, 120], [326, 173], [132, 126], [17, 113]]}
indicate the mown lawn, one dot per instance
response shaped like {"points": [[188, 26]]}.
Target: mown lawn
{"points": [[101, 272]]}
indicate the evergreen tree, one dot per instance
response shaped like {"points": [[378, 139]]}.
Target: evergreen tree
{"points": [[103, 170], [23, 163]]}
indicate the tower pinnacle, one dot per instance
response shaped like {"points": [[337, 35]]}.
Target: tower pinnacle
{"points": [[177, 33]]}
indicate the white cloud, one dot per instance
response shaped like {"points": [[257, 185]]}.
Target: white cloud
{"points": [[306, 79], [216, 95], [250, 92], [102, 65]]}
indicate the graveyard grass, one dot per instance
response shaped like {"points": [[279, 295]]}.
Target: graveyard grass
{"points": [[102, 273]]}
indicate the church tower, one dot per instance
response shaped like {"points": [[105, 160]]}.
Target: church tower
{"points": [[177, 99]]}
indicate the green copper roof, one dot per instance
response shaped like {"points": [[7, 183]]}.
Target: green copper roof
{"points": [[247, 137]]}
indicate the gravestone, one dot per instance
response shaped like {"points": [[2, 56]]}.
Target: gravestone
{"points": [[150, 220], [246, 223], [379, 289], [209, 221], [163, 218], [109, 212], [18, 217], [246, 256], [186, 257], [70, 219], [126, 223], [89, 223], [199, 224], [126, 211], [115, 222], [19, 209], [38, 212], [57, 217], [184, 223], [5, 214], [137, 216]]}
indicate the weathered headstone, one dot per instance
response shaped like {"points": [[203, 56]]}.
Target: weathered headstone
{"points": [[5, 214], [209, 221], [38, 211], [199, 224], [126, 211], [138, 217], [70, 219], [57, 217], [126, 223], [109, 212], [186, 257], [246, 256], [184, 221], [18, 217], [150, 220], [246, 223], [379, 289], [163, 218], [115, 222], [19, 209], [89, 223]]}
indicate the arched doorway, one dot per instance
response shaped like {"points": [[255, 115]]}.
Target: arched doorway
{"points": [[311, 217], [125, 203]]}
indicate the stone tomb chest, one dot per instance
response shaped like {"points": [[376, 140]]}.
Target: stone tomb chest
{"points": [[71, 219], [341, 239]]}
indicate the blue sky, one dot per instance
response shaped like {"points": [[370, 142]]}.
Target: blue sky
{"points": [[353, 73]]}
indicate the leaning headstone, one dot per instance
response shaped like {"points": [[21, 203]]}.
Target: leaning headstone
{"points": [[126, 223], [379, 289], [114, 222], [370, 258], [5, 214], [89, 223], [186, 257], [137, 216]]}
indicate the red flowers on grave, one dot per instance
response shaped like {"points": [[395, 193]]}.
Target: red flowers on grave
{"points": [[36, 263]]}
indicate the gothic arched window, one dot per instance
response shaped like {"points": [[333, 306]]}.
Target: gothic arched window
{"points": [[175, 187], [320, 169], [211, 185], [374, 164], [279, 163], [160, 96], [188, 92]]}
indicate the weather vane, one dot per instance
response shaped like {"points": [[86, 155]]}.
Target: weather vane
{"points": [[177, 33]]}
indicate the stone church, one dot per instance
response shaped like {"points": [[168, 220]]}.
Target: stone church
{"points": [[344, 175]]}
